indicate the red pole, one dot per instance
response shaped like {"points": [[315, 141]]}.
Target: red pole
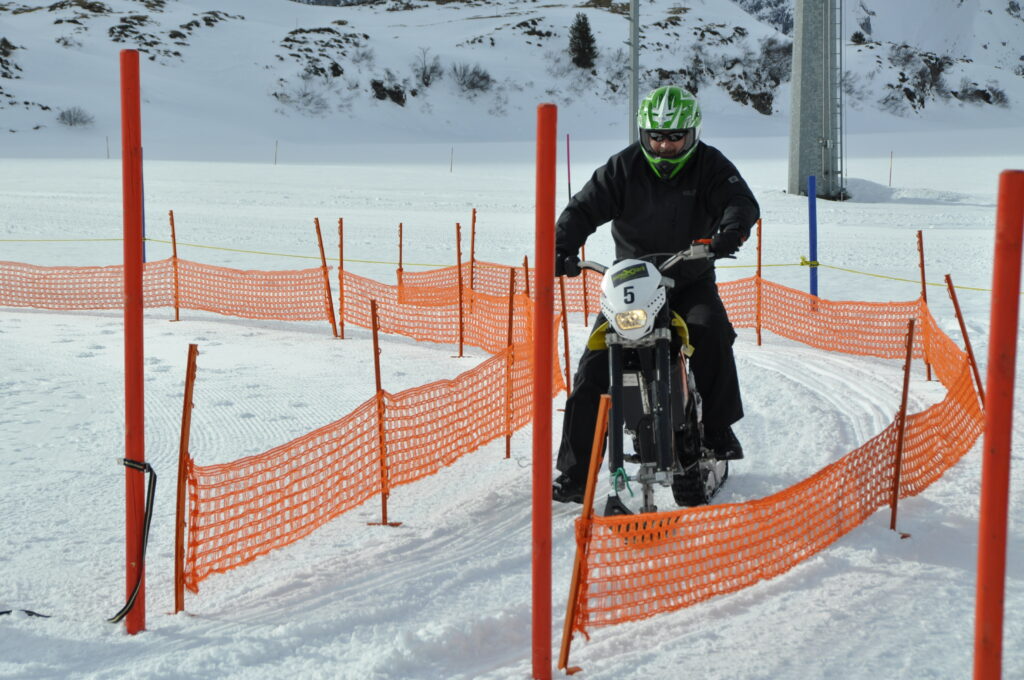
{"points": [[565, 335], [472, 251], [398, 274], [134, 380], [510, 364], [924, 290], [967, 339], [587, 518], [902, 422], [385, 479], [341, 278], [174, 262], [458, 262], [757, 307], [526, 274], [179, 526], [327, 277], [583, 278], [544, 279], [995, 472]]}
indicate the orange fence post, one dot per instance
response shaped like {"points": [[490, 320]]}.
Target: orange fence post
{"points": [[995, 471], [341, 278], [327, 277], [385, 489], [510, 363], [583, 277], [543, 335], [174, 263], [583, 540], [924, 290], [967, 340], [399, 271], [183, 458], [758, 282], [565, 334], [526, 274], [472, 251], [902, 422], [458, 264], [134, 378]]}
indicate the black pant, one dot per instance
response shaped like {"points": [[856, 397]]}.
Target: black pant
{"points": [[713, 365]]}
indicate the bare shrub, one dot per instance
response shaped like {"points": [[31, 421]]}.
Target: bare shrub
{"points": [[427, 70], [310, 95], [472, 78], [74, 116]]}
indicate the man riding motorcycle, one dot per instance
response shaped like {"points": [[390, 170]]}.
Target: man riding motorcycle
{"points": [[661, 194]]}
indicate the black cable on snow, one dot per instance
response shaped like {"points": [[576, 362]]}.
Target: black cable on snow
{"points": [[150, 493]]}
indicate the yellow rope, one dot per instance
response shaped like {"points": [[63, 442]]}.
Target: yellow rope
{"points": [[304, 257], [54, 240], [199, 245], [804, 262]]}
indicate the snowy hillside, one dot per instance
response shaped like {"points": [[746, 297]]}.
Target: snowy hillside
{"points": [[232, 78]]}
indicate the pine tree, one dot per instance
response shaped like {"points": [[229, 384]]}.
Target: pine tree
{"points": [[582, 48]]}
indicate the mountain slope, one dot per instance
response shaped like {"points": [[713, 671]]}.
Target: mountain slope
{"points": [[242, 73]]}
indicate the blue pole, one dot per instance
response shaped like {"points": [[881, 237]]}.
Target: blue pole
{"points": [[812, 212], [143, 192]]}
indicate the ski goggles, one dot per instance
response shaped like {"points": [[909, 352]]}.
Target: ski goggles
{"points": [[669, 135]]}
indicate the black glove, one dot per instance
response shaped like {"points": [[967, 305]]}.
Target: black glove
{"points": [[726, 243], [566, 264]]}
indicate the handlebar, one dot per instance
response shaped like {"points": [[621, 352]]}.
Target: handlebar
{"points": [[698, 250]]}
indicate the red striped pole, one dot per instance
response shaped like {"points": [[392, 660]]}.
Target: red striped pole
{"points": [[995, 471], [134, 381], [544, 284]]}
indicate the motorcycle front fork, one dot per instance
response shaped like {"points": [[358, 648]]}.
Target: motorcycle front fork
{"points": [[659, 470]]}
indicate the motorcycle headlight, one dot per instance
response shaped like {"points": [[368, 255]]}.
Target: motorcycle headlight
{"points": [[632, 319]]}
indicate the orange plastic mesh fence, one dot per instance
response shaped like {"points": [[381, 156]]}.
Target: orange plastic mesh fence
{"points": [[876, 329], [290, 295], [297, 295], [66, 288], [240, 510], [432, 312], [243, 509], [633, 567], [492, 279], [637, 566]]}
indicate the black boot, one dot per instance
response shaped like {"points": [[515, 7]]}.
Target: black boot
{"points": [[565, 489], [723, 442]]}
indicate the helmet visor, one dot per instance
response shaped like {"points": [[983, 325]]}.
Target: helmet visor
{"points": [[687, 136]]}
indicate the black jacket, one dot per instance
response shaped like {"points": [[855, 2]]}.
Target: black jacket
{"points": [[651, 215]]}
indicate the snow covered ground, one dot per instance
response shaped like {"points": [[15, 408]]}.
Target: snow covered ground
{"points": [[447, 594]]}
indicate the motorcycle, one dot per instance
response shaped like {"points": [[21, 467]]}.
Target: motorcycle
{"points": [[654, 398]]}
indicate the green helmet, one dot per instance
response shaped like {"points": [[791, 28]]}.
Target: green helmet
{"points": [[671, 113]]}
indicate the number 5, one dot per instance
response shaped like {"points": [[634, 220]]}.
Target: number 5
{"points": [[627, 295]]}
